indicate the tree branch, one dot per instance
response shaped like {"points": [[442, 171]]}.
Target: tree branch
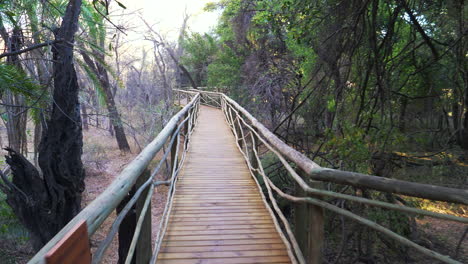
{"points": [[415, 22], [33, 47]]}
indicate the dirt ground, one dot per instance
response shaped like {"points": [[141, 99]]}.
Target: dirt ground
{"points": [[103, 167]]}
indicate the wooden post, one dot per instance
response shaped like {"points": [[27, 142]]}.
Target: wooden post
{"points": [[309, 225], [126, 228], [187, 123], [238, 131], [143, 250], [253, 158], [173, 155]]}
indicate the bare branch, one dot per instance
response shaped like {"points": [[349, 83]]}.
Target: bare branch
{"points": [[33, 47]]}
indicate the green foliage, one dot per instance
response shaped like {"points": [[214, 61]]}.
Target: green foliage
{"points": [[95, 81], [15, 80], [226, 63], [199, 53], [93, 23], [394, 220], [350, 146], [10, 227]]}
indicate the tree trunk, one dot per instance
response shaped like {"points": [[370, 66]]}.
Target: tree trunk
{"points": [[16, 122], [111, 128], [100, 71], [45, 203], [402, 118], [37, 141], [112, 109], [84, 112], [16, 114]]}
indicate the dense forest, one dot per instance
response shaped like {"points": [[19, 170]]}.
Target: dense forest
{"points": [[377, 87], [371, 86]]}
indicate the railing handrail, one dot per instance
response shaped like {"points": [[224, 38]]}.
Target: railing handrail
{"points": [[316, 172], [100, 208], [250, 134]]}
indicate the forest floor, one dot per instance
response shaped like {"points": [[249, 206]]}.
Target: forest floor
{"points": [[103, 162]]}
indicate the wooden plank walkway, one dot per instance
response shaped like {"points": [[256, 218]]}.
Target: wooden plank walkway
{"points": [[218, 215]]}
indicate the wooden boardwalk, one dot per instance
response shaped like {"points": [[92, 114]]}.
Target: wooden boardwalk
{"points": [[218, 215]]}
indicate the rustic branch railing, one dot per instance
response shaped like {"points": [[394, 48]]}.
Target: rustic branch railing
{"points": [[133, 189], [251, 134], [209, 98]]}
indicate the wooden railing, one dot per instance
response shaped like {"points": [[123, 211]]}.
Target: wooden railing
{"points": [[130, 193], [307, 239], [133, 189]]}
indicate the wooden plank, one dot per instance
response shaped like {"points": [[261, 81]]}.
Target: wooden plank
{"points": [[218, 227], [185, 194], [175, 218], [223, 254], [221, 237], [197, 214], [218, 214], [222, 248], [220, 232], [274, 259], [220, 242], [211, 210], [217, 199], [214, 207], [73, 248], [210, 187], [230, 202]]}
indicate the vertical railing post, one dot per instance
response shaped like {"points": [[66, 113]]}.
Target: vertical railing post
{"points": [[187, 124], [238, 130], [309, 225], [253, 157], [128, 226], [143, 248], [174, 158]]}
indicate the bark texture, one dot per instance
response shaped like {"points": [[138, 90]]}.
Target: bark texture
{"points": [[45, 202]]}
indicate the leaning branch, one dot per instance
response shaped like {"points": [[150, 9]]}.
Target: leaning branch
{"points": [[33, 47], [419, 28]]}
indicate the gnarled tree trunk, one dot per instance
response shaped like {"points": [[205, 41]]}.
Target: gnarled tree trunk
{"points": [[45, 203]]}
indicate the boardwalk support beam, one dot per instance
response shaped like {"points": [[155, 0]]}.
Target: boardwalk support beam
{"points": [[143, 248], [309, 225]]}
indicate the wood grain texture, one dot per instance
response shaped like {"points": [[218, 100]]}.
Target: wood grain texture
{"points": [[218, 215], [73, 248]]}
